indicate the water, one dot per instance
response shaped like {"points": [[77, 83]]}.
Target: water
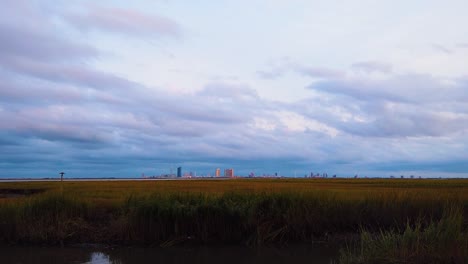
{"points": [[205, 255]]}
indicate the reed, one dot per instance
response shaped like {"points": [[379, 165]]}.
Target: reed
{"points": [[252, 212], [442, 241], [49, 218]]}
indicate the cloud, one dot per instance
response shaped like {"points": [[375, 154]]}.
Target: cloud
{"points": [[36, 50], [388, 105], [372, 66], [401, 88], [59, 112], [226, 91], [285, 65], [78, 74], [22, 42], [410, 121], [270, 74], [317, 72], [124, 21], [441, 48], [396, 106]]}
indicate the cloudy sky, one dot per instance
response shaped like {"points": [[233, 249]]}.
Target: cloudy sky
{"points": [[121, 88]]}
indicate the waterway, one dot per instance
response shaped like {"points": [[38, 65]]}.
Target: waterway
{"points": [[207, 255]]}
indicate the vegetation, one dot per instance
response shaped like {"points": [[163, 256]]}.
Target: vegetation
{"points": [[444, 241], [402, 221]]}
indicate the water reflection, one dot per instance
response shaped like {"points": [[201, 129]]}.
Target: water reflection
{"points": [[212, 254], [100, 258]]}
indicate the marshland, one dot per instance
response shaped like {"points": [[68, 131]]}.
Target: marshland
{"points": [[371, 220]]}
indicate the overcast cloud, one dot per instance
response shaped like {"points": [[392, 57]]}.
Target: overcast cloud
{"points": [[124, 89]]}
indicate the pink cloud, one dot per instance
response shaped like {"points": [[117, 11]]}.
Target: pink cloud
{"points": [[125, 21]]}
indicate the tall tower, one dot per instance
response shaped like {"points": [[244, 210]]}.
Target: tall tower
{"points": [[229, 173], [218, 172], [179, 172]]}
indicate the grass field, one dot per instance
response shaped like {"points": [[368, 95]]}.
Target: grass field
{"points": [[352, 188], [386, 214]]}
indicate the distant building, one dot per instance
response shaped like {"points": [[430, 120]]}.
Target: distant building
{"points": [[229, 173], [218, 172], [179, 172]]}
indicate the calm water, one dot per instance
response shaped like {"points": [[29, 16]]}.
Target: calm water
{"points": [[214, 255]]}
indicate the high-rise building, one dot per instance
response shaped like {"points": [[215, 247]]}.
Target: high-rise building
{"points": [[218, 172], [179, 172], [229, 173]]}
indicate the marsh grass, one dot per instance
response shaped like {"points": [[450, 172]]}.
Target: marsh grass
{"points": [[252, 212], [441, 241], [48, 218]]}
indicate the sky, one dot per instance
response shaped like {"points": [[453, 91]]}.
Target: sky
{"points": [[122, 88]]}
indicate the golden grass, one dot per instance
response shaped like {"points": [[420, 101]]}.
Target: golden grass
{"points": [[351, 188], [253, 211]]}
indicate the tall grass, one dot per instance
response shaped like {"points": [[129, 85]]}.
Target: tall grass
{"points": [[442, 241], [231, 217], [168, 218], [49, 218]]}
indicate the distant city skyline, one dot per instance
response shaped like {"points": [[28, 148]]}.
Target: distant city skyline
{"points": [[121, 88], [230, 172]]}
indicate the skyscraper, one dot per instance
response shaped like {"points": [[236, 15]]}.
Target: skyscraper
{"points": [[218, 172], [229, 173], [179, 172]]}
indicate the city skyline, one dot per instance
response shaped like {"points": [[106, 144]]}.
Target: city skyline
{"points": [[118, 88]]}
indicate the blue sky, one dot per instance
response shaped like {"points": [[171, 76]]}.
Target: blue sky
{"points": [[120, 88]]}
